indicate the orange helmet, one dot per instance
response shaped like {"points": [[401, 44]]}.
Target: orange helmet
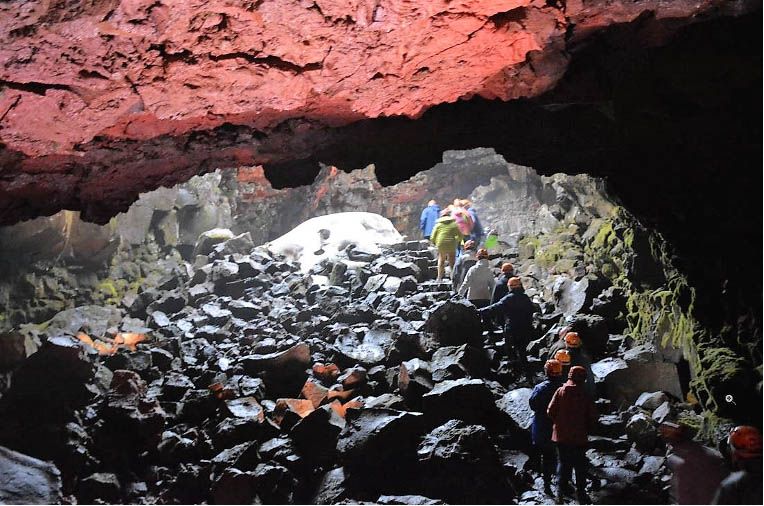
{"points": [[469, 245], [553, 368], [572, 340], [563, 357], [745, 442], [482, 253], [514, 283], [507, 268]]}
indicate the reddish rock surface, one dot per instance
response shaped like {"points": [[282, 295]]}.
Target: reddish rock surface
{"points": [[102, 99]]}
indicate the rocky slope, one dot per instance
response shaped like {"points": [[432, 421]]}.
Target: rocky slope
{"points": [[255, 383]]}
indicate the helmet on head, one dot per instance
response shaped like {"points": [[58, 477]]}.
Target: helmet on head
{"points": [[507, 268], [482, 253], [469, 245], [514, 283], [572, 340], [577, 374], [553, 368], [745, 442], [563, 357]]}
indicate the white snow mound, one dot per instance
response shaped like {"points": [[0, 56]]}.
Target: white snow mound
{"points": [[325, 236]]}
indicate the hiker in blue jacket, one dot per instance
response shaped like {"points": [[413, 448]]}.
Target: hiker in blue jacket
{"points": [[541, 428], [428, 218]]}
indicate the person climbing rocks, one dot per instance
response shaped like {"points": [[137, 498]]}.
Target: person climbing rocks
{"points": [[573, 417], [478, 283], [500, 288], [563, 357], [445, 236], [541, 427], [579, 357], [743, 486], [517, 309], [560, 343], [463, 263], [428, 218], [687, 460], [478, 233]]}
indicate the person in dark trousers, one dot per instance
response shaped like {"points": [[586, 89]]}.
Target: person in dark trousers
{"points": [[573, 417], [478, 283], [578, 356], [744, 485], [517, 309], [467, 259], [541, 428], [428, 218]]}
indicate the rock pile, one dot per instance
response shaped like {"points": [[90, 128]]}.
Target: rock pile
{"points": [[359, 380]]}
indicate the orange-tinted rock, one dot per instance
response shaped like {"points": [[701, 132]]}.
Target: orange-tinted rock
{"points": [[314, 392], [337, 392], [326, 372]]}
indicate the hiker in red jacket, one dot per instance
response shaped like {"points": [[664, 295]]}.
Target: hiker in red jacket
{"points": [[573, 417]]}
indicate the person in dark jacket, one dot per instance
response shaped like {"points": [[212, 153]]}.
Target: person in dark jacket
{"points": [[517, 309], [744, 485], [573, 417], [541, 428], [462, 264], [501, 288], [429, 216], [578, 356]]}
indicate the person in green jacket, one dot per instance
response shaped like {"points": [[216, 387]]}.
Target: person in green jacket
{"points": [[446, 237]]}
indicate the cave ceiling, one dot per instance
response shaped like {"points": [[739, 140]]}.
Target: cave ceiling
{"points": [[103, 99]]}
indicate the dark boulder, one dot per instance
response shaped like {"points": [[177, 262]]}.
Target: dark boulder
{"points": [[452, 362], [460, 465], [26, 480], [455, 322], [469, 400], [101, 486]]}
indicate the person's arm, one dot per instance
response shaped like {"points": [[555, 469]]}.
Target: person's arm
{"points": [[466, 283], [423, 220], [435, 232], [533, 400], [554, 407], [494, 308]]}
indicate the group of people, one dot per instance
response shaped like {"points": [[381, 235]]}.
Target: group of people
{"points": [[563, 403]]}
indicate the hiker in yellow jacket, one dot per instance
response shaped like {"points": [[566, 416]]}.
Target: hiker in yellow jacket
{"points": [[446, 237]]}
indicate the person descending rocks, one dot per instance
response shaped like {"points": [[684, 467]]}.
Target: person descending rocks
{"points": [[579, 357], [573, 417], [517, 309], [428, 218], [477, 233], [478, 283], [564, 358], [463, 263], [743, 486], [541, 428], [446, 237]]}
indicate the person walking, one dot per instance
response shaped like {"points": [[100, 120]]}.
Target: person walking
{"points": [[517, 309], [743, 486], [446, 237], [500, 288], [478, 283], [573, 416], [428, 218], [463, 263], [477, 233], [541, 427]]}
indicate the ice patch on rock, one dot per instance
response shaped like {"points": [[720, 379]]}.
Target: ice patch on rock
{"points": [[326, 236]]}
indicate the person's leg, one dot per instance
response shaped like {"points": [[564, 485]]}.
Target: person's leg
{"points": [[508, 347], [581, 465], [564, 470], [441, 264], [451, 259], [548, 464]]}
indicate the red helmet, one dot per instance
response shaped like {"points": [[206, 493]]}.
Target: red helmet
{"points": [[745, 442], [563, 357], [572, 340]]}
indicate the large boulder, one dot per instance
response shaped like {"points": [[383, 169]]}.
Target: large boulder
{"points": [[515, 404], [283, 372], [460, 465], [26, 480], [207, 240], [624, 380], [469, 400], [455, 322], [454, 362]]}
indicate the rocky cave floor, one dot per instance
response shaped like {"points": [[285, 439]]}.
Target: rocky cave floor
{"points": [[257, 385]]}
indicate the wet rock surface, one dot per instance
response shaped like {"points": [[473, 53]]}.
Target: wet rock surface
{"points": [[272, 385]]}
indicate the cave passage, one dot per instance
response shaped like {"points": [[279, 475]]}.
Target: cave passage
{"points": [[229, 341]]}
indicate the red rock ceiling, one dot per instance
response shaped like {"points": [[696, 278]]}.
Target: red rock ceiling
{"points": [[101, 99]]}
